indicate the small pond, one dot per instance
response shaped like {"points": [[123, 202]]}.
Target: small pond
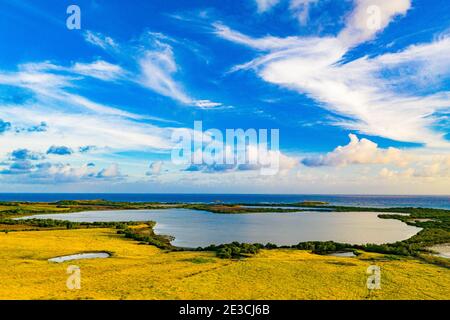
{"points": [[92, 255]]}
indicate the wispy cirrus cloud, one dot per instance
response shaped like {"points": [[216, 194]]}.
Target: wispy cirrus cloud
{"points": [[157, 67], [299, 8], [99, 69], [364, 90], [100, 40], [153, 60], [56, 116]]}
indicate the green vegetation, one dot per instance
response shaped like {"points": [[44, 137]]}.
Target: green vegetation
{"points": [[139, 272], [435, 224], [234, 250], [324, 247], [291, 204], [200, 260], [38, 224], [234, 209], [144, 233], [18, 209]]}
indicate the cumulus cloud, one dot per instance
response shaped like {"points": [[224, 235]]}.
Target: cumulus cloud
{"points": [[215, 159], [112, 171], [431, 167], [25, 171], [25, 154], [155, 168], [42, 127], [4, 126], [84, 149], [18, 167], [211, 168], [358, 151], [438, 167], [59, 150]]}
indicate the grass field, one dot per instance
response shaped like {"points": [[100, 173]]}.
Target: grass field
{"points": [[138, 271]]}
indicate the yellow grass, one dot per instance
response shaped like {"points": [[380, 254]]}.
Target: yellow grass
{"points": [[144, 272]]}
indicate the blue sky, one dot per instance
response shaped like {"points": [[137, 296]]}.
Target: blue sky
{"points": [[359, 91]]}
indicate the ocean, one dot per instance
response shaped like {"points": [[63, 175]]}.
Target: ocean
{"points": [[382, 201]]}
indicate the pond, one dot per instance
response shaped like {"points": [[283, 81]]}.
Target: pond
{"points": [[192, 228], [92, 255], [443, 250], [347, 254]]}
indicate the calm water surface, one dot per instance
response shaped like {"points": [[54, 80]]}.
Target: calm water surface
{"points": [[381, 201], [193, 228], [79, 256]]}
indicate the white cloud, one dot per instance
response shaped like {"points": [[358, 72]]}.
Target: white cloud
{"points": [[157, 68], [300, 9], [153, 66], [358, 151], [398, 164], [155, 168], [100, 40], [110, 172], [370, 17], [50, 173], [99, 69], [373, 94], [206, 104], [266, 43], [436, 167], [73, 130], [265, 5], [215, 158], [50, 87], [71, 120], [422, 64]]}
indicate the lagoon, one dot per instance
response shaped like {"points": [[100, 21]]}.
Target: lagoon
{"points": [[193, 228]]}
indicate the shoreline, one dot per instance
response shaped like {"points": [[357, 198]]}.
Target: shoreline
{"points": [[435, 223]]}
